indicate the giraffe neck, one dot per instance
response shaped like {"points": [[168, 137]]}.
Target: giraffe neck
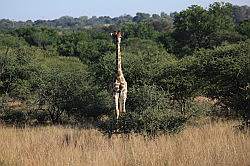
{"points": [[118, 57]]}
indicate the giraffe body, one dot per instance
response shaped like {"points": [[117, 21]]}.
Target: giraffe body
{"points": [[120, 84]]}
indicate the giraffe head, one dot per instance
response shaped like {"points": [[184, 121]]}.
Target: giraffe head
{"points": [[117, 35]]}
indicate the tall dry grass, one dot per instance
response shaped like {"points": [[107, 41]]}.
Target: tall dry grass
{"points": [[213, 144]]}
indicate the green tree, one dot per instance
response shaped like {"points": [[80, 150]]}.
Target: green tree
{"points": [[225, 75], [67, 44], [197, 28], [66, 88], [18, 72], [9, 41], [192, 29], [244, 28], [40, 37], [142, 30], [180, 81], [141, 17], [91, 51], [221, 16]]}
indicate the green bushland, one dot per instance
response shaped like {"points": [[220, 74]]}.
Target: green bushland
{"points": [[56, 75]]}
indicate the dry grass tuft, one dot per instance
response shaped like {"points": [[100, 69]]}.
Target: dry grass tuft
{"points": [[213, 144]]}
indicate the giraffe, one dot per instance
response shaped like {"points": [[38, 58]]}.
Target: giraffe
{"points": [[120, 84]]}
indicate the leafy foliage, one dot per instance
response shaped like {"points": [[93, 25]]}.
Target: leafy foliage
{"points": [[197, 28], [60, 71], [244, 28], [225, 71]]}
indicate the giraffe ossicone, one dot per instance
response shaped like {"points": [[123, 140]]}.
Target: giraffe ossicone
{"points": [[120, 84]]}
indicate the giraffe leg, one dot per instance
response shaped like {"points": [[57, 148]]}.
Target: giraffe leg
{"points": [[121, 103], [116, 98], [124, 103], [123, 98]]}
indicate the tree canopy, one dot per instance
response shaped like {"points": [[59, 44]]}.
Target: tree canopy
{"points": [[61, 70]]}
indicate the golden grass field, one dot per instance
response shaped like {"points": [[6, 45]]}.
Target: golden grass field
{"points": [[211, 144]]}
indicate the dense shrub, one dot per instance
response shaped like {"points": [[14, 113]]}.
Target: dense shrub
{"points": [[15, 117], [67, 87], [155, 120], [151, 111], [225, 75], [65, 75], [146, 96], [58, 85], [19, 71]]}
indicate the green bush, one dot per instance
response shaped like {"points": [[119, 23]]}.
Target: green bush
{"points": [[66, 87], [19, 70], [59, 85], [150, 122], [146, 96], [225, 74], [38, 117], [156, 120], [151, 111], [15, 117]]}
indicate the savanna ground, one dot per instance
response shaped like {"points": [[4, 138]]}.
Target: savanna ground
{"points": [[210, 144]]}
